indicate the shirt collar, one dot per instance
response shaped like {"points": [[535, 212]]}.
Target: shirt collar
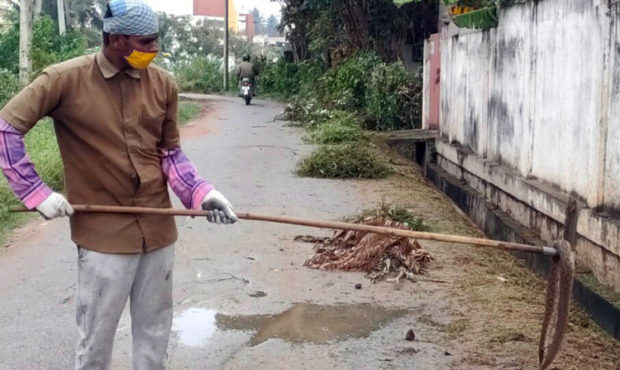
{"points": [[108, 70]]}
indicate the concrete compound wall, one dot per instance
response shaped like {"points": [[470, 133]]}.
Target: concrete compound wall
{"points": [[530, 113]]}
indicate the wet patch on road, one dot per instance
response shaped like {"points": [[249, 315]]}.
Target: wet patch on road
{"points": [[195, 326], [310, 323]]}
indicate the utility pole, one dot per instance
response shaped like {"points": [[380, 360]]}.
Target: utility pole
{"points": [[62, 27], [225, 45]]}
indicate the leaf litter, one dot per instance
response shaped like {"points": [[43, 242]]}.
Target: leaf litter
{"points": [[381, 257]]}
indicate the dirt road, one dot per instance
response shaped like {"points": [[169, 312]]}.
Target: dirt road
{"points": [[243, 300]]}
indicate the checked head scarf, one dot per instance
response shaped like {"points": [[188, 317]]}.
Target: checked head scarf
{"points": [[130, 17]]}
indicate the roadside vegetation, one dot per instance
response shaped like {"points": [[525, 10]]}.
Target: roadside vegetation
{"points": [[188, 111], [344, 161], [338, 105], [394, 213], [341, 83]]}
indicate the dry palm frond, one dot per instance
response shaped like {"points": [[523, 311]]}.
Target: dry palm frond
{"points": [[380, 256]]}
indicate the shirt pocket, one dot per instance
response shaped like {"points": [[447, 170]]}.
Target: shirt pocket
{"points": [[151, 127]]}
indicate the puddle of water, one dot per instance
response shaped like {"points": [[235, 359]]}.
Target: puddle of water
{"points": [[195, 326], [308, 323]]}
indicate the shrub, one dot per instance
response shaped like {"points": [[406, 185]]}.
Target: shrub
{"points": [[346, 84], [387, 96], [383, 107], [304, 113], [341, 127], [410, 102], [9, 85], [343, 161], [200, 74], [48, 47], [286, 80]]}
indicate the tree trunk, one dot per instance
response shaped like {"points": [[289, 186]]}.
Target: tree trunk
{"points": [[62, 26], [25, 40], [38, 4]]}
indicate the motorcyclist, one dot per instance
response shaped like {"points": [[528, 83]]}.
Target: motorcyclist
{"points": [[249, 70]]}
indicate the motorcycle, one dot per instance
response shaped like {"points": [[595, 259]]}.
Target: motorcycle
{"points": [[246, 90]]}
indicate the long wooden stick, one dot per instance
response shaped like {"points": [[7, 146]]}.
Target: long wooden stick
{"points": [[321, 224]]}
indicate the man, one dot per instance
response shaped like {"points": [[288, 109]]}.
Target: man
{"points": [[116, 123], [249, 70]]}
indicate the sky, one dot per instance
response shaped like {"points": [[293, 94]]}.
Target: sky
{"points": [[184, 7]]}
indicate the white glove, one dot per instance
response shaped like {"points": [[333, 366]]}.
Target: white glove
{"points": [[222, 210], [54, 206]]}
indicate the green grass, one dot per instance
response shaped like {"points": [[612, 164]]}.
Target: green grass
{"points": [[43, 150], [344, 161], [188, 111], [340, 128], [395, 213]]}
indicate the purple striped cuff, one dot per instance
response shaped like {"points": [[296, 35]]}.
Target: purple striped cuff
{"points": [[19, 169], [183, 178]]}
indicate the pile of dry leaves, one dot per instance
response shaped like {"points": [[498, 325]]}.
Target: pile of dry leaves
{"points": [[380, 256]]}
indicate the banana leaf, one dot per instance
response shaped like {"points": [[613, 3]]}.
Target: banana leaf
{"points": [[481, 19]]}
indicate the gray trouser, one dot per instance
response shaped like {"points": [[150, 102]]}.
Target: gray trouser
{"points": [[105, 281]]}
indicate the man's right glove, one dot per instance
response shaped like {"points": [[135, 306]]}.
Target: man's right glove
{"points": [[56, 205]]}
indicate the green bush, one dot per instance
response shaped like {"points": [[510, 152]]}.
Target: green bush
{"points": [[200, 75], [345, 86], [9, 86], [382, 99], [286, 80], [341, 127], [304, 112], [387, 96], [410, 102], [343, 161], [48, 47]]}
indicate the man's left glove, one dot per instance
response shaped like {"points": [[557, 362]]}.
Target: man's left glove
{"points": [[222, 210], [55, 205]]}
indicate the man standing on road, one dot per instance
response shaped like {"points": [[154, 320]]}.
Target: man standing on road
{"points": [[115, 117], [247, 69]]}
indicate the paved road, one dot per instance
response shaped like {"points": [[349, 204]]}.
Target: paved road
{"points": [[229, 280]]}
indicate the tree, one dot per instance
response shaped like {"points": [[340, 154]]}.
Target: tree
{"points": [[345, 27], [259, 22], [272, 25], [183, 40]]}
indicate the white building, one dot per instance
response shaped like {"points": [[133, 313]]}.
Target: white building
{"points": [[269, 40]]}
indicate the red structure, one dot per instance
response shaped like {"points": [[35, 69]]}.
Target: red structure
{"points": [[209, 8], [249, 26]]}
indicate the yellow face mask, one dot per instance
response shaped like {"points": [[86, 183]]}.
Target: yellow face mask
{"points": [[140, 59]]}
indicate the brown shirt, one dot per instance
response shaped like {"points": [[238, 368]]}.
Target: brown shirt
{"points": [[247, 69], [109, 126]]}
